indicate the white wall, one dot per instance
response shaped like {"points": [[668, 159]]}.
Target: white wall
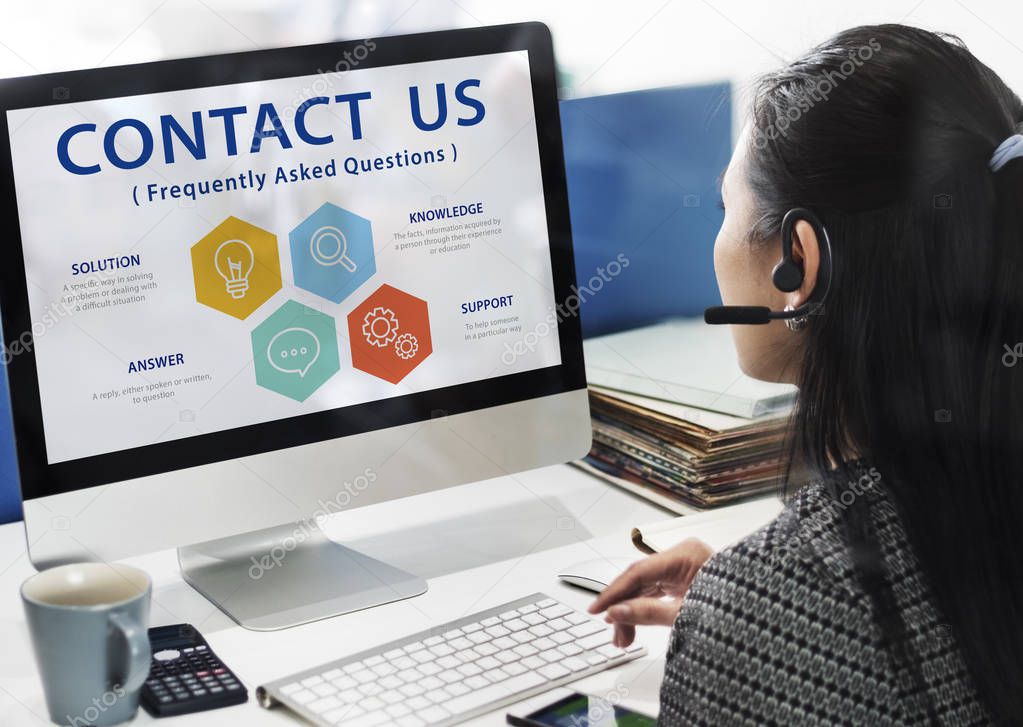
{"points": [[602, 46]]}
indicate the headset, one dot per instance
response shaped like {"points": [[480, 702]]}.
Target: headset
{"points": [[786, 276]]}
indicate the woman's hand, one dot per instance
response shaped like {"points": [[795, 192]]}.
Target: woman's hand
{"points": [[637, 596]]}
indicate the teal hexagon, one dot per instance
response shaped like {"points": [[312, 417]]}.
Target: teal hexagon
{"points": [[295, 350], [332, 252]]}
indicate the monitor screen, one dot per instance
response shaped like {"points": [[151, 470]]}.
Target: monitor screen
{"points": [[209, 259]]}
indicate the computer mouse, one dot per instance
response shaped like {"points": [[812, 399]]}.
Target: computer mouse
{"points": [[594, 575]]}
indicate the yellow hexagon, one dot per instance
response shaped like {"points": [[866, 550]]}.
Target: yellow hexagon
{"points": [[236, 267]]}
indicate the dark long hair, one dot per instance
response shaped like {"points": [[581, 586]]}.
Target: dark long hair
{"points": [[886, 132]]}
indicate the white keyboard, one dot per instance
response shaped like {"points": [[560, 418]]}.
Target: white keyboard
{"points": [[456, 671]]}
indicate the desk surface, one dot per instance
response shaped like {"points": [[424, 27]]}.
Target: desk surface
{"points": [[478, 545]]}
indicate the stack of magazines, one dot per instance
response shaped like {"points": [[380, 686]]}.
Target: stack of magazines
{"points": [[680, 455], [688, 431]]}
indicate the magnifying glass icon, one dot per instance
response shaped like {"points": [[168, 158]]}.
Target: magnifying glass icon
{"points": [[328, 246]]}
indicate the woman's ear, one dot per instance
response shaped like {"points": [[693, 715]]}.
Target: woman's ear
{"points": [[805, 251]]}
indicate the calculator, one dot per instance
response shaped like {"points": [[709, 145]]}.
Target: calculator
{"points": [[186, 676]]}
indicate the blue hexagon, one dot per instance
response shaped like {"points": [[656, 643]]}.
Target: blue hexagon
{"points": [[332, 252]]}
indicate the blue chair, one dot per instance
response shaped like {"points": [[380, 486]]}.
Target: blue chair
{"points": [[642, 170], [10, 495]]}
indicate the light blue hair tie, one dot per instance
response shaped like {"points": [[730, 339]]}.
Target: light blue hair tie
{"points": [[1006, 151]]}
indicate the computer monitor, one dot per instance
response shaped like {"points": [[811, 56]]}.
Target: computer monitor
{"points": [[245, 291]]}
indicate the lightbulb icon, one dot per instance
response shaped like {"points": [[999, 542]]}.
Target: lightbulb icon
{"points": [[234, 260]]}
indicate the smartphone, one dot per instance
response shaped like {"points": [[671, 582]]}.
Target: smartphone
{"points": [[582, 710]]}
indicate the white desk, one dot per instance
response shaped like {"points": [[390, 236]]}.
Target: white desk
{"points": [[478, 545]]}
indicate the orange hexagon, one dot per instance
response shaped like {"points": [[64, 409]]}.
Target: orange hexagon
{"points": [[389, 334], [236, 268]]}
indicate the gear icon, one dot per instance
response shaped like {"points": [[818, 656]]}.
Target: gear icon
{"points": [[407, 346], [380, 327]]}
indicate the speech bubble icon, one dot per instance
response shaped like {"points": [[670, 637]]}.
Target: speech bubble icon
{"points": [[293, 351]]}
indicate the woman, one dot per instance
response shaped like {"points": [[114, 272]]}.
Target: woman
{"points": [[890, 590]]}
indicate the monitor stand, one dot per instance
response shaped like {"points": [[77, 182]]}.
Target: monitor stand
{"points": [[289, 575]]}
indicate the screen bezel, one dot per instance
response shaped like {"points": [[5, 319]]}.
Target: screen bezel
{"points": [[39, 478]]}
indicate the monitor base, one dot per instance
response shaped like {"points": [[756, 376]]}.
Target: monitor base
{"points": [[288, 575]]}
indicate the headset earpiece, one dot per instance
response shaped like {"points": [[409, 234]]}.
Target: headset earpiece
{"points": [[788, 274]]}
